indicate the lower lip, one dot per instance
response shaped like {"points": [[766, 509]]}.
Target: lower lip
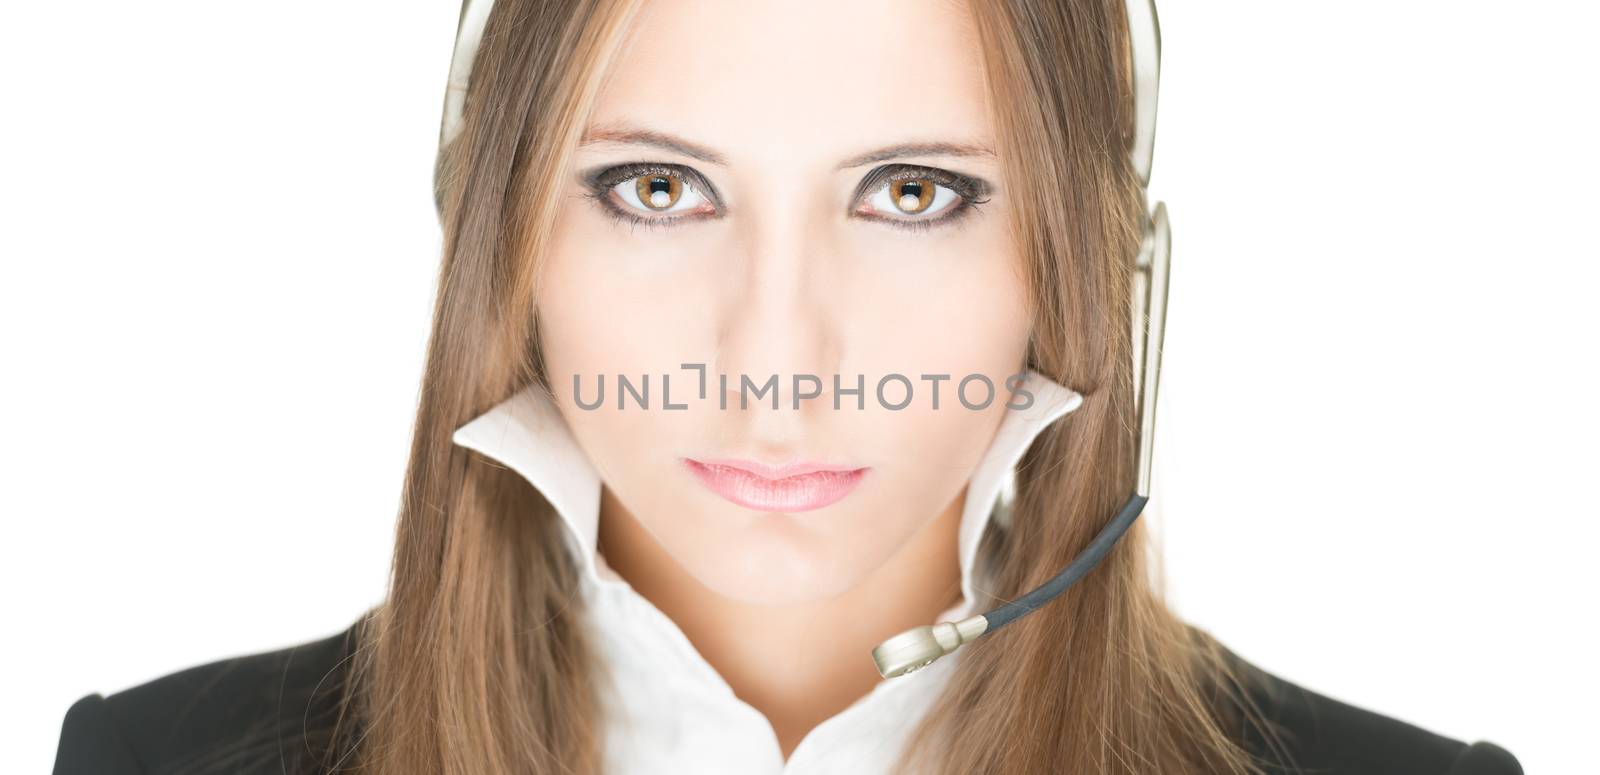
{"points": [[801, 492]]}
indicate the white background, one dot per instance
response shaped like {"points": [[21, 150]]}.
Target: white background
{"points": [[1376, 446]]}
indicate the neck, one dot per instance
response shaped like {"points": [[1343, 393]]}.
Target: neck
{"points": [[823, 647]]}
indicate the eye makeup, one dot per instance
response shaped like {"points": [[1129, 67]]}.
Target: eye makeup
{"points": [[969, 192], [601, 183], [953, 195]]}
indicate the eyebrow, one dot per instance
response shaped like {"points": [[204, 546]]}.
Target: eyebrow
{"points": [[631, 136], [916, 149], [626, 135]]}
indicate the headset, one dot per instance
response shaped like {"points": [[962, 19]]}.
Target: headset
{"points": [[917, 648]]}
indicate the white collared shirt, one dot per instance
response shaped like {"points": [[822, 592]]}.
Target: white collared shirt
{"points": [[667, 710]]}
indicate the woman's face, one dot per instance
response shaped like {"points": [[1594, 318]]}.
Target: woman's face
{"points": [[786, 189]]}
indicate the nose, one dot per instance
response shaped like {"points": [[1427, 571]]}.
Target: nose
{"points": [[780, 314]]}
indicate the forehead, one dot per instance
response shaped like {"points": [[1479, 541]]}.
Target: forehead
{"points": [[813, 80]]}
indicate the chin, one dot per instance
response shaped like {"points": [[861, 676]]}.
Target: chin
{"points": [[775, 564]]}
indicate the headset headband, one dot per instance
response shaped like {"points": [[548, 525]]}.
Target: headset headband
{"points": [[1144, 38]]}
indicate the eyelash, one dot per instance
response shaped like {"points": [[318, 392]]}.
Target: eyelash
{"points": [[971, 191], [600, 182]]}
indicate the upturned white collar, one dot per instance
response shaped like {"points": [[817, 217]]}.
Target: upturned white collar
{"points": [[527, 434], [666, 709]]}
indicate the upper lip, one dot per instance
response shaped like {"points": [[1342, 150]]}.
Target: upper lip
{"points": [[775, 472]]}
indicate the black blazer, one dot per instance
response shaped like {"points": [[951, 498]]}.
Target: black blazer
{"points": [[269, 713]]}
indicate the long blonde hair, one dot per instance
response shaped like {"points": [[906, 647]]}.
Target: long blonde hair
{"points": [[479, 662]]}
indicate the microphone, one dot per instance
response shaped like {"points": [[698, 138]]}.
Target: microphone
{"points": [[918, 647]]}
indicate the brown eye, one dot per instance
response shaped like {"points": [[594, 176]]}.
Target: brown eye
{"points": [[658, 192], [911, 196], [916, 197]]}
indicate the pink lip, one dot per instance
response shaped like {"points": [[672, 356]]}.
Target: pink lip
{"points": [[792, 487]]}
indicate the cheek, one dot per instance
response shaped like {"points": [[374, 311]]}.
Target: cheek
{"points": [[941, 303], [956, 324], [607, 305], [611, 306]]}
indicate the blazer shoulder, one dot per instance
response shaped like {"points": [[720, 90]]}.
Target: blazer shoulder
{"points": [[251, 713], [1315, 734]]}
